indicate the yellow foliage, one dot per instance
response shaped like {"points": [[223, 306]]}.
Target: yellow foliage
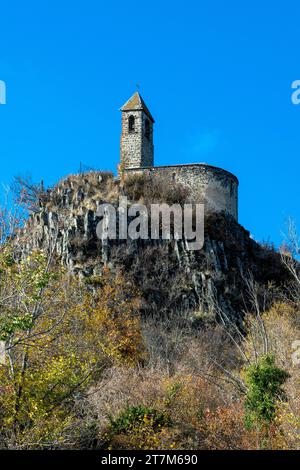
{"points": [[61, 336]]}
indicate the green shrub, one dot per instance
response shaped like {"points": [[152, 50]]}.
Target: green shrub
{"points": [[264, 380], [135, 415], [94, 281]]}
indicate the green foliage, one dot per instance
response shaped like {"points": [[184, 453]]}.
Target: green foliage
{"points": [[24, 281], [12, 323], [264, 380], [94, 281], [172, 392], [135, 415], [7, 259]]}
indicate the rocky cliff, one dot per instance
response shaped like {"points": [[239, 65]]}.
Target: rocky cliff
{"points": [[206, 283]]}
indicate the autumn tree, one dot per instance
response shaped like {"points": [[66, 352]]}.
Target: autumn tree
{"points": [[60, 335]]}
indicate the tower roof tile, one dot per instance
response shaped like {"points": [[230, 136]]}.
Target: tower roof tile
{"points": [[136, 103]]}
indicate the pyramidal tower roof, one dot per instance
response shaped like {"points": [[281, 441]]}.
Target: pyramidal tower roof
{"points": [[136, 103]]}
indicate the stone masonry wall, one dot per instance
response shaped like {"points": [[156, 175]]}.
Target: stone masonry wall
{"points": [[136, 148], [216, 188], [147, 143]]}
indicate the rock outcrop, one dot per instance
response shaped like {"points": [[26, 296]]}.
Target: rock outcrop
{"points": [[205, 283]]}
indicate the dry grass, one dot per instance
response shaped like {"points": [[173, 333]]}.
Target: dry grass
{"points": [[154, 189], [84, 190]]}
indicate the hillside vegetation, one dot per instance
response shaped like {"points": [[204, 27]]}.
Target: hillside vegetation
{"points": [[148, 347]]}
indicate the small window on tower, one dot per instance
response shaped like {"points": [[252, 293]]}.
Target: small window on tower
{"points": [[131, 124], [147, 129]]}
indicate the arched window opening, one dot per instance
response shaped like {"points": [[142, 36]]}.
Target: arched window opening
{"points": [[131, 124], [147, 129]]}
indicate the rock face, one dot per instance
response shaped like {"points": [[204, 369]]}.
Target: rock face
{"points": [[169, 276]]}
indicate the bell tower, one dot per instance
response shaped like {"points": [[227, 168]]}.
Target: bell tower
{"points": [[137, 149]]}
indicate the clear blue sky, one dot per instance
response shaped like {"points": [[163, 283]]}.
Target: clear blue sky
{"points": [[216, 76]]}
